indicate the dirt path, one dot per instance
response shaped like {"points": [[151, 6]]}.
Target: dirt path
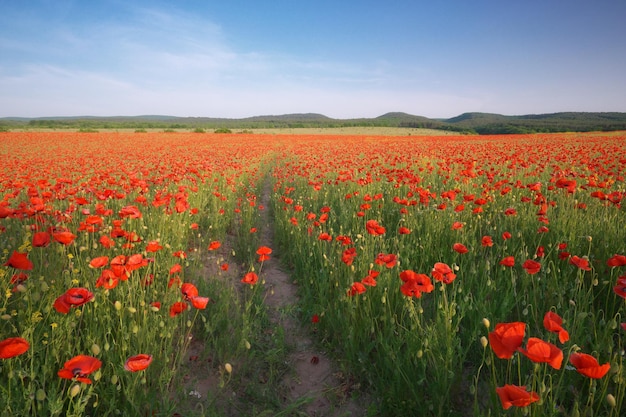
{"points": [[313, 378]]}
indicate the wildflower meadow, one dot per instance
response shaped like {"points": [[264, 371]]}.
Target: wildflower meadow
{"points": [[449, 275]]}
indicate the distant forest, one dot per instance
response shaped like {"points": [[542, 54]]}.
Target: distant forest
{"points": [[467, 123]]}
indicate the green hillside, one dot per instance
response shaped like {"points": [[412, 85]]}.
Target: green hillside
{"points": [[468, 123]]}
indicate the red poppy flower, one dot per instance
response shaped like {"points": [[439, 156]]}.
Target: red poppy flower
{"points": [[506, 236], [250, 278], [374, 229], [616, 260], [107, 242], [177, 308], [325, 236], [506, 338], [138, 362], [41, 239], [369, 281], [588, 366], [153, 246], [389, 260], [540, 351], [74, 297], [513, 395], [508, 261], [347, 257], [443, 273], [64, 238], [264, 253], [356, 288], [552, 322], [224, 267], [404, 231], [460, 248], [174, 281], [199, 302], [19, 260], [175, 269], [189, 291], [99, 262], [541, 252], [214, 245], [18, 279], [581, 263], [531, 267], [415, 284], [486, 241], [345, 240], [131, 212], [107, 279], [12, 347], [315, 319], [620, 288], [79, 367], [457, 225]]}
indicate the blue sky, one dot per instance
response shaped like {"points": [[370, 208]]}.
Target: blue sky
{"points": [[344, 59]]}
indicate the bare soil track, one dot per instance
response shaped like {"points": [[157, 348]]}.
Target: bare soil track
{"points": [[313, 379]]}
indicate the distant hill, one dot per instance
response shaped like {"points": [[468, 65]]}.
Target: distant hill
{"points": [[489, 123], [471, 123]]}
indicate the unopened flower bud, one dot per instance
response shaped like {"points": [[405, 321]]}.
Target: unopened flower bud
{"points": [[610, 399], [75, 390], [484, 342]]}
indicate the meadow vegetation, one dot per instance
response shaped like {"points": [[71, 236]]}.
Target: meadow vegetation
{"points": [[448, 275]]}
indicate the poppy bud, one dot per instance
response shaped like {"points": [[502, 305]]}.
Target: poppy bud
{"points": [[484, 342], [118, 305], [228, 367], [75, 390], [40, 395], [486, 322], [95, 349], [611, 400]]}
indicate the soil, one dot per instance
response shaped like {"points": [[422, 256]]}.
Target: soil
{"points": [[313, 374]]}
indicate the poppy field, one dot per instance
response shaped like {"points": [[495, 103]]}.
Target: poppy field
{"points": [[456, 275]]}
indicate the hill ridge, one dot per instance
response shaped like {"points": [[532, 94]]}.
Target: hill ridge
{"points": [[470, 122]]}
